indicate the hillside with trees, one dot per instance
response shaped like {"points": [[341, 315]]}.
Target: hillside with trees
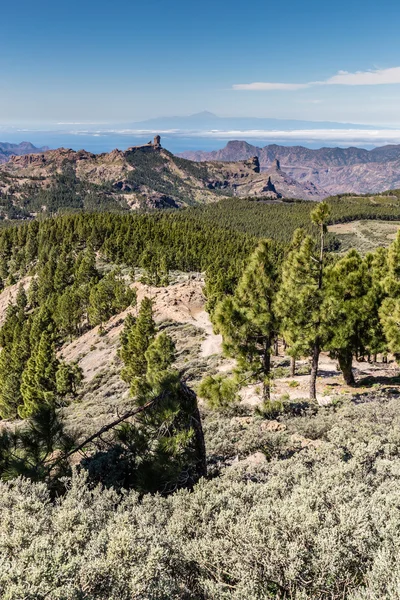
{"points": [[202, 408]]}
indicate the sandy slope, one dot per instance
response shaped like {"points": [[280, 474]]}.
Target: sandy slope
{"points": [[179, 303]]}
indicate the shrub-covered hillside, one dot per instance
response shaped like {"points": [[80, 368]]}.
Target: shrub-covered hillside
{"points": [[316, 522]]}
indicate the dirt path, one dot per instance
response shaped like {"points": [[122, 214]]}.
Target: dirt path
{"points": [[213, 342]]}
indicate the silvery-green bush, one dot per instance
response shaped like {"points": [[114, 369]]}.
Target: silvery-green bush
{"points": [[323, 523]]}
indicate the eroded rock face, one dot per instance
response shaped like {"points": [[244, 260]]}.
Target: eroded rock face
{"points": [[276, 165], [254, 164], [28, 159], [8, 150], [52, 157]]}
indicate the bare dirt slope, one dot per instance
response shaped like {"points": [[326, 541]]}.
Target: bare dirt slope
{"points": [[182, 303], [179, 310]]}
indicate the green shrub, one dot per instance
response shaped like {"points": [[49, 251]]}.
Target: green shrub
{"points": [[218, 391]]}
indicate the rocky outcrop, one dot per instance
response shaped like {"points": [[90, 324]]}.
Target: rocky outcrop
{"points": [[276, 165], [28, 159], [51, 157], [269, 187], [149, 147], [253, 164]]}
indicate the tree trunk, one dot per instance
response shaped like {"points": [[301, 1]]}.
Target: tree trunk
{"points": [[314, 370], [345, 363], [267, 372], [201, 466], [276, 347], [292, 366]]}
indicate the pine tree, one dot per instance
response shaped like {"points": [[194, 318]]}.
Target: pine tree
{"points": [[301, 293], [85, 269], [137, 341], [100, 304], [21, 298], [69, 312], [165, 448], [13, 359], [33, 293], [42, 322], [38, 385], [159, 357], [10, 381], [247, 319], [220, 392], [46, 277], [389, 310], [63, 272], [348, 309], [68, 377]]}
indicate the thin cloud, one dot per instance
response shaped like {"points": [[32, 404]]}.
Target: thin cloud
{"points": [[378, 77], [270, 86]]}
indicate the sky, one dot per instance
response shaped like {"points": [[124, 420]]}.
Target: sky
{"points": [[123, 60]]}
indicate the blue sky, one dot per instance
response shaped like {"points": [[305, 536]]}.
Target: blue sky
{"points": [[117, 61]]}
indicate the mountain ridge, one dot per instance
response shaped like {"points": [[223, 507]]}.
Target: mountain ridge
{"points": [[336, 170], [142, 177]]}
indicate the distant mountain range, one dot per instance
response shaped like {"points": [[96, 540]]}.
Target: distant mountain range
{"points": [[7, 150], [334, 170], [207, 121], [150, 176]]}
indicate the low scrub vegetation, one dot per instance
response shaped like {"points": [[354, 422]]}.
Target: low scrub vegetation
{"points": [[312, 522]]}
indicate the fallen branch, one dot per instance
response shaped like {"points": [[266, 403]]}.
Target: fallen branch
{"points": [[124, 417]]}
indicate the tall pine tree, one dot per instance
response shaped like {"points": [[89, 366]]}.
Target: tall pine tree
{"points": [[136, 341], [247, 320], [300, 298]]}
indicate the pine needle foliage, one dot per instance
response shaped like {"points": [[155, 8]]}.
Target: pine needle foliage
{"points": [[247, 320]]}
